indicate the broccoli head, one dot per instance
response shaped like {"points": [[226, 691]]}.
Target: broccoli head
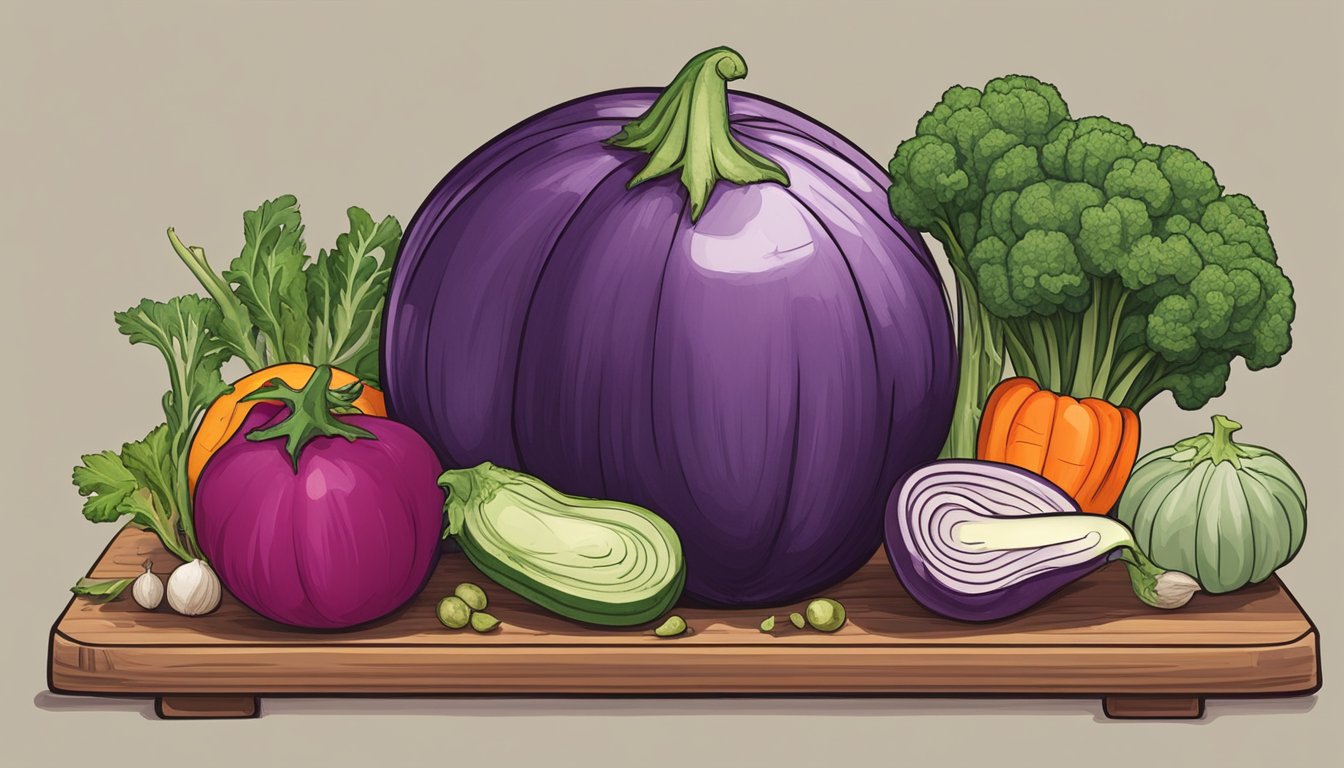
{"points": [[1112, 267], [974, 143]]}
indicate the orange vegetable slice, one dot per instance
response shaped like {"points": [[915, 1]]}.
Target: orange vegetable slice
{"points": [[224, 416]]}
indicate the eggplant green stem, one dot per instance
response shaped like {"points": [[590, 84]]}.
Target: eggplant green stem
{"points": [[312, 412], [686, 130]]}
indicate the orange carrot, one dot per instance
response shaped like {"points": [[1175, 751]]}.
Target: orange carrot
{"points": [[1007, 399], [1109, 492], [1029, 435], [1073, 445], [1110, 425], [1087, 447]]}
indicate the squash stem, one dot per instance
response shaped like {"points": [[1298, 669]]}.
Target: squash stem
{"points": [[462, 487], [1219, 445]]}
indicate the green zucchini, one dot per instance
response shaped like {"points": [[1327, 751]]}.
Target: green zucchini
{"points": [[601, 562]]}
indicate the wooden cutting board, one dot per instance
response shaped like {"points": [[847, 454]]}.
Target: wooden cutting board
{"points": [[1094, 638]]}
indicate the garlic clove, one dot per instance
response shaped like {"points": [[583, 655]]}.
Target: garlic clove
{"points": [[1174, 589], [193, 589], [148, 589]]}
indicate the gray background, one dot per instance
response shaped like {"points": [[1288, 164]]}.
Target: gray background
{"points": [[119, 119]]}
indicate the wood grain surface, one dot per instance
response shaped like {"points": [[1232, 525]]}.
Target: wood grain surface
{"points": [[1093, 637]]}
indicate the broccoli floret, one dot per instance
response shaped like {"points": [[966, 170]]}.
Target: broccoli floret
{"points": [[973, 145], [1108, 266]]}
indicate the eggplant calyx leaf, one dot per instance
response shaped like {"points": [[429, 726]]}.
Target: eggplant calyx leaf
{"points": [[312, 412], [686, 130]]}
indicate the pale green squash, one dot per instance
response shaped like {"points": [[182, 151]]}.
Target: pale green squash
{"points": [[1226, 513]]}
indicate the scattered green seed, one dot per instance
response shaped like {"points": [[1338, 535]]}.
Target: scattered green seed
{"points": [[825, 614], [453, 613], [674, 626], [768, 625], [472, 595], [483, 622], [797, 620]]}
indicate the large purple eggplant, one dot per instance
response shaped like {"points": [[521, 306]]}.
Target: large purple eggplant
{"points": [[979, 541], [756, 361]]}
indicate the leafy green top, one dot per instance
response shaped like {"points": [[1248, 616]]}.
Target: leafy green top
{"points": [[147, 480], [278, 306]]}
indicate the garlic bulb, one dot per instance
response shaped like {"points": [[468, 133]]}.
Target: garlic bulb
{"points": [[148, 589], [193, 589]]}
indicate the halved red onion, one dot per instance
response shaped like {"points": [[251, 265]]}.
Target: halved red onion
{"points": [[979, 541]]}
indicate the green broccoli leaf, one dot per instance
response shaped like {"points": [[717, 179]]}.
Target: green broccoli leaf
{"points": [[346, 289], [268, 278], [234, 328], [148, 512]]}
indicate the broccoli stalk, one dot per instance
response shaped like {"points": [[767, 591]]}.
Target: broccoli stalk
{"points": [[1109, 267], [980, 352]]}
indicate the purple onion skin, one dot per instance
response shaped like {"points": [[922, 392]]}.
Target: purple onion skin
{"points": [[759, 378], [989, 606], [347, 540]]}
